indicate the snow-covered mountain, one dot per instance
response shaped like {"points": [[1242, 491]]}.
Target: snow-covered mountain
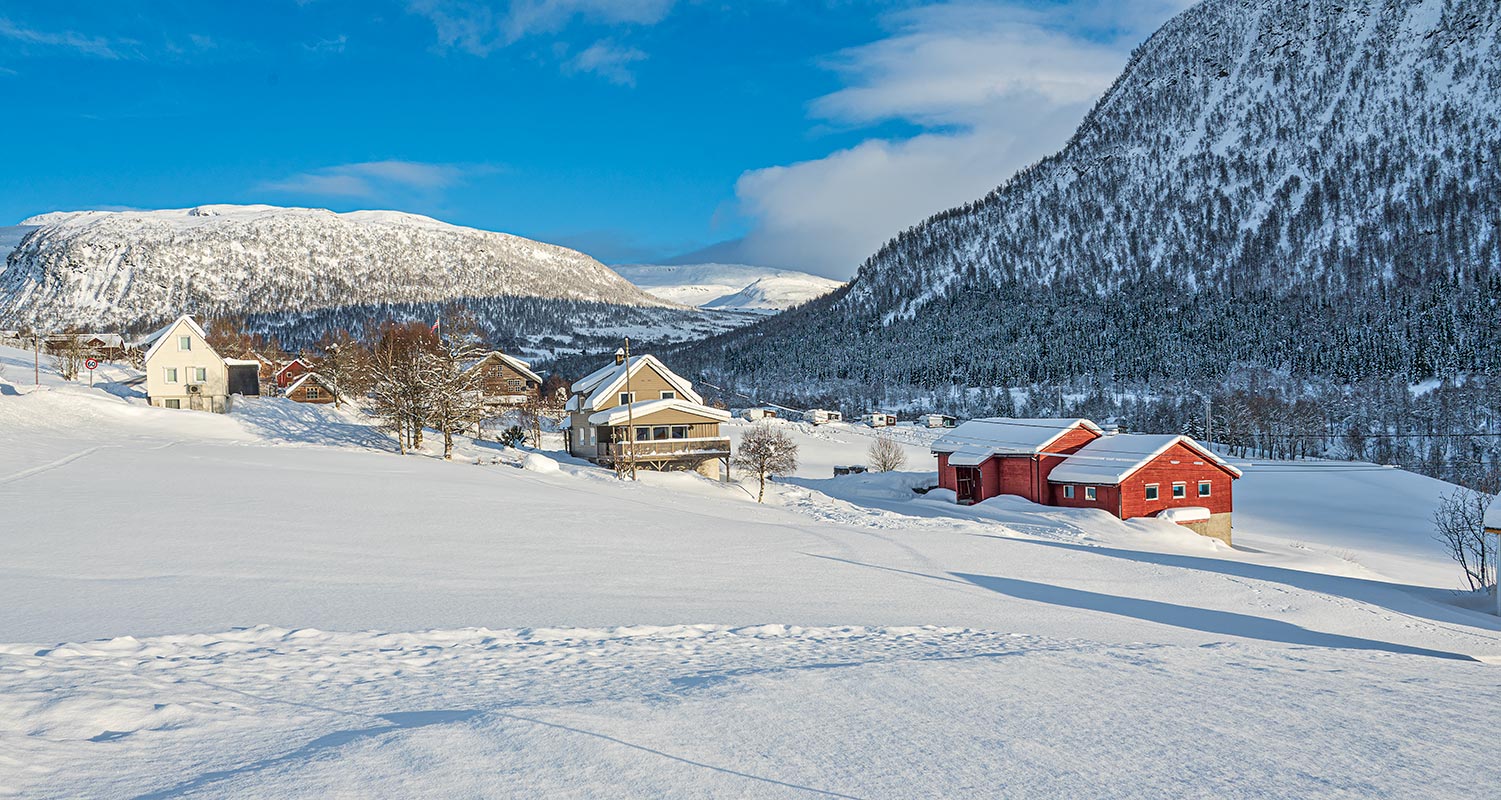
{"points": [[126, 268], [729, 287], [1306, 187]]}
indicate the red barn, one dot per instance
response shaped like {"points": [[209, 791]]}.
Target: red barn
{"points": [[986, 458], [1128, 475], [291, 371]]}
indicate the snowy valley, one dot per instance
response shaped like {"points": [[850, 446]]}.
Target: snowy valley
{"points": [[728, 287], [273, 602]]}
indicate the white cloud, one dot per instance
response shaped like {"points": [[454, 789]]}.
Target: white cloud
{"points": [[480, 28], [997, 87], [82, 44], [370, 180], [608, 60]]}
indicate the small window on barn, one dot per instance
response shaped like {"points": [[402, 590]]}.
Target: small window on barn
{"points": [[1068, 492], [312, 393], [1151, 491], [1180, 491], [1204, 488], [669, 395], [1089, 493], [184, 343]]}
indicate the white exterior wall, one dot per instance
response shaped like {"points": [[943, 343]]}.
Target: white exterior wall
{"points": [[215, 393]]}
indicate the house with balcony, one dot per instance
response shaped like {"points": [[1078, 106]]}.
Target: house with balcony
{"points": [[506, 380], [639, 411]]}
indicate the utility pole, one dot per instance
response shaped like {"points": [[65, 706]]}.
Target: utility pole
{"points": [[36, 364], [1208, 423], [630, 410]]}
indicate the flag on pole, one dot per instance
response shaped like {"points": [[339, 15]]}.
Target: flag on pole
{"points": [[434, 329]]}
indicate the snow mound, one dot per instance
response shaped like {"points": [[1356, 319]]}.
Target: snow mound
{"points": [[536, 462]]}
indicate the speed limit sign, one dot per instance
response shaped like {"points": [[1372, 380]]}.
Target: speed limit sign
{"points": [[91, 363]]}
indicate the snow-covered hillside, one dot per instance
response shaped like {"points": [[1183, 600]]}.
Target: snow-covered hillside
{"points": [[275, 603], [728, 287], [1296, 186], [129, 268]]}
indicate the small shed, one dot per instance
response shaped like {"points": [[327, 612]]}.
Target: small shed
{"points": [[244, 376], [312, 388]]}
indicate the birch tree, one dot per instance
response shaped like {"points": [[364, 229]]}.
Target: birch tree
{"points": [[765, 450]]}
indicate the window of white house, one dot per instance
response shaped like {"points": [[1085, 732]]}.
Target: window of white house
{"points": [[626, 398], [1151, 491], [1089, 493], [1068, 492], [669, 395], [1203, 488], [1180, 490], [200, 374], [184, 343], [169, 374], [174, 403]]}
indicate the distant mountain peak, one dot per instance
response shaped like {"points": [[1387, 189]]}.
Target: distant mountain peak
{"points": [[729, 287]]}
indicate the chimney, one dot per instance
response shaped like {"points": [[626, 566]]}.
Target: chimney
{"points": [[620, 356]]}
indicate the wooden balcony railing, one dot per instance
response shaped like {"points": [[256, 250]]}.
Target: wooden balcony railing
{"points": [[668, 448]]}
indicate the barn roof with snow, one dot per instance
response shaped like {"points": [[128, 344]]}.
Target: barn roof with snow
{"points": [[1109, 460], [1492, 521], [980, 439]]}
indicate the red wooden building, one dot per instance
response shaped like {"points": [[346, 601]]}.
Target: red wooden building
{"points": [[1074, 464], [291, 371]]}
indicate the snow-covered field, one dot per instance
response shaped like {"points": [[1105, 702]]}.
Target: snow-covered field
{"points": [[274, 603]]}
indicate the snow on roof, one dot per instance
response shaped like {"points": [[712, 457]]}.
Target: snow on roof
{"points": [[155, 338], [314, 377], [620, 415], [513, 362], [1108, 460], [289, 365], [975, 441], [1184, 514], [108, 339], [607, 380], [1493, 515], [242, 362]]}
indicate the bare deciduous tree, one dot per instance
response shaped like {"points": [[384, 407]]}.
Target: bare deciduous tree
{"points": [[1459, 522], [885, 455], [344, 362], [68, 357], [764, 451], [456, 398]]}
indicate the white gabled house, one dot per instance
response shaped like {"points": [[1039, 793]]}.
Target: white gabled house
{"points": [[645, 412], [182, 371]]}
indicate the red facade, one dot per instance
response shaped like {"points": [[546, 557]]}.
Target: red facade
{"points": [[1026, 476], [287, 375]]}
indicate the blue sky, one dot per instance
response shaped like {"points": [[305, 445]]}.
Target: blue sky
{"points": [[799, 134]]}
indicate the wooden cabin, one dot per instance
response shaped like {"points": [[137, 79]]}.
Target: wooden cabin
{"points": [[506, 380], [642, 411], [311, 388]]}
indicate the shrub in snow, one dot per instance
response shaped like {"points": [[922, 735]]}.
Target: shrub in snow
{"points": [[513, 436], [885, 455], [764, 450]]}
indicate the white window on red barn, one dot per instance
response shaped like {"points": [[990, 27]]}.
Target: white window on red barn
{"points": [[1089, 493], [1180, 491], [1204, 488], [1068, 492], [1151, 491]]}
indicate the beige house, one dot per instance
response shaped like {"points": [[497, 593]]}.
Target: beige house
{"points": [[646, 412], [182, 371]]}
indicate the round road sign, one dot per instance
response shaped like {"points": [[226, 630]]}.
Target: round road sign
{"points": [[91, 363]]}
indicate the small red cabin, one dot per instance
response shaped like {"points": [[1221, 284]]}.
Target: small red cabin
{"points": [[291, 371], [1073, 464]]}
